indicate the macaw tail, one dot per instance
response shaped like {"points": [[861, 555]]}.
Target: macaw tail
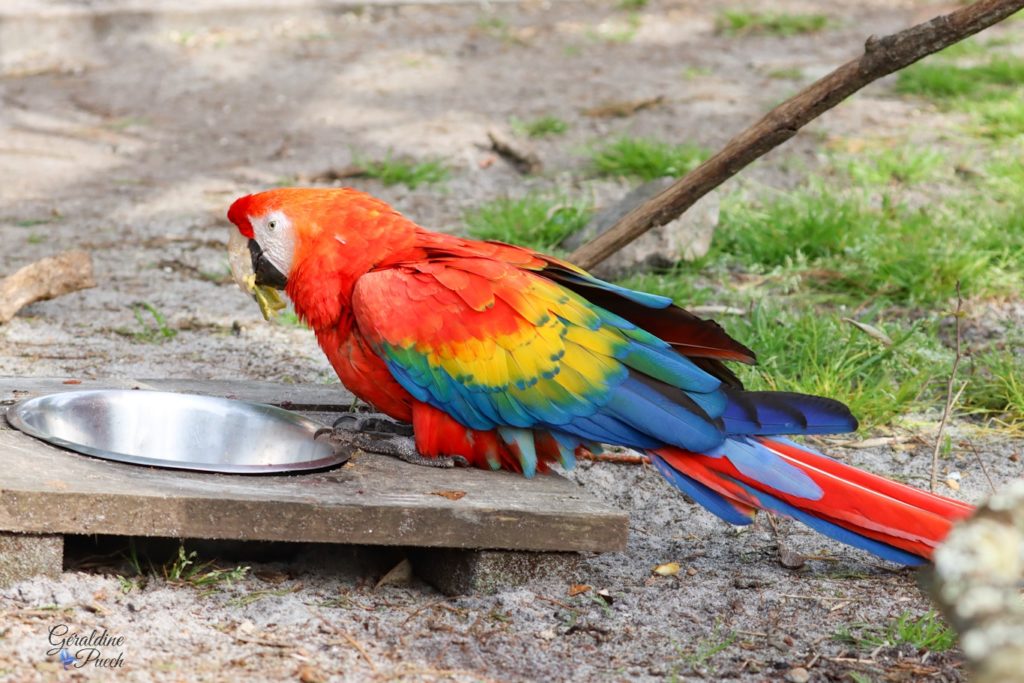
{"points": [[894, 521]]}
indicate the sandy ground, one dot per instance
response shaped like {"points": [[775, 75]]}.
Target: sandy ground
{"points": [[128, 134]]}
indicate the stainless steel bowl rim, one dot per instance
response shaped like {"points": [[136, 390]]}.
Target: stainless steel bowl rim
{"points": [[17, 415]]}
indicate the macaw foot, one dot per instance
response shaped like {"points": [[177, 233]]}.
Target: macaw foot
{"points": [[372, 423], [378, 433]]}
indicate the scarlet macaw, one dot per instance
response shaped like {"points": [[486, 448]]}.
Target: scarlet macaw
{"points": [[508, 358]]}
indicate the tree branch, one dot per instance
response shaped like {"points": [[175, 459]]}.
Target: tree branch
{"points": [[882, 56]]}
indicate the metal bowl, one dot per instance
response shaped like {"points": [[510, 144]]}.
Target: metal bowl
{"points": [[182, 431]]}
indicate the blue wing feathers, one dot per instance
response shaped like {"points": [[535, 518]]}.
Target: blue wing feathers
{"points": [[665, 364], [654, 414], [604, 428], [769, 413], [713, 403]]}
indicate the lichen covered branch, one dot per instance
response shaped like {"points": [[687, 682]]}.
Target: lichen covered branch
{"points": [[978, 578]]}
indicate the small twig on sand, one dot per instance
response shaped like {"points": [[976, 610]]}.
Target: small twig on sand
{"points": [[984, 469], [45, 279], [351, 641], [266, 642], [950, 399], [553, 601], [620, 458], [882, 56], [429, 605]]}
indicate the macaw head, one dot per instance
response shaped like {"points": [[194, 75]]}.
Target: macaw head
{"points": [[311, 242], [268, 234]]}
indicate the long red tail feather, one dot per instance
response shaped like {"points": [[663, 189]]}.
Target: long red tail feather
{"points": [[866, 504]]}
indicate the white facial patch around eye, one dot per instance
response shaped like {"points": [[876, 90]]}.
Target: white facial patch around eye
{"points": [[275, 235]]}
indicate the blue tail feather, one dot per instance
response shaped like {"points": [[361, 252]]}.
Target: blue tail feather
{"points": [[710, 499], [765, 466]]}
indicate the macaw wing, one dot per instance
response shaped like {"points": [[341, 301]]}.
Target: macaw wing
{"points": [[703, 341], [496, 346]]}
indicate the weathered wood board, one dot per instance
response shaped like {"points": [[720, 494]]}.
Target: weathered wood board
{"points": [[372, 500]]}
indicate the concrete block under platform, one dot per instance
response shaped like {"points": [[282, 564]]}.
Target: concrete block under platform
{"points": [[23, 556], [457, 572]]}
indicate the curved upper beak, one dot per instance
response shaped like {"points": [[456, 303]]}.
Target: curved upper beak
{"points": [[267, 274]]}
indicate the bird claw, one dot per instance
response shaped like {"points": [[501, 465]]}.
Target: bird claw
{"points": [[442, 461], [372, 423], [376, 433]]}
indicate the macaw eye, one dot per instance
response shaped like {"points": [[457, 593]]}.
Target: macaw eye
{"points": [[272, 225]]}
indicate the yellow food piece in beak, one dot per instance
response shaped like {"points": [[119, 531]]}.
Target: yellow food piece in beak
{"points": [[269, 300]]}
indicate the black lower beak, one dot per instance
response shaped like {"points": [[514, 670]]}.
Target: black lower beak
{"points": [[267, 273]]}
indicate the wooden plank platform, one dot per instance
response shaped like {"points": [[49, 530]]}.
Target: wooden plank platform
{"points": [[372, 500]]}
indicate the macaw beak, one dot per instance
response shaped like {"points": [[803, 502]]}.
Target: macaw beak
{"points": [[244, 263], [267, 274]]}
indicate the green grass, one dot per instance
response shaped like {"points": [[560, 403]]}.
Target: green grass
{"points": [[1004, 175], [288, 318], [788, 74], [996, 385], [903, 165], [989, 92], [617, 31], [702, 655], [684, 284], [185, 568], [738, 22], [692, 73], [814, 352], [999, 119], [808, 223], [844, 245], [938, 79], [924, 632], [646, 159], [496, 27], [886, 235], [707, 649], [182, 568], [791, 259], [541, 127], [412, 174], [537, 221], [153, 328], [33, 222]]}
